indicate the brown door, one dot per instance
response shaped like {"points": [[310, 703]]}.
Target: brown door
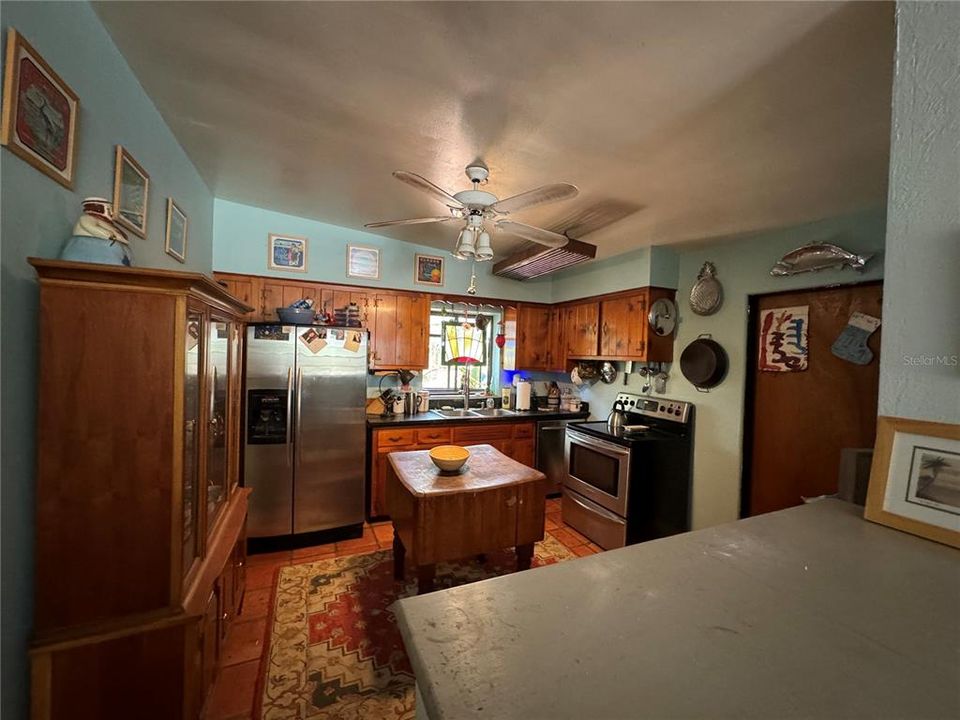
{"points": [[798, 422]]}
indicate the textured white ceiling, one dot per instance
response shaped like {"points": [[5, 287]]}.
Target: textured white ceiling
{"points": [[685, 120]]}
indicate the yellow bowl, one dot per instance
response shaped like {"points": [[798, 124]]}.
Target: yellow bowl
{"points": [[449, 458]]}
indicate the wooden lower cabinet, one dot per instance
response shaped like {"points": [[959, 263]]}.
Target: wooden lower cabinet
{"points": [[516, 440]]}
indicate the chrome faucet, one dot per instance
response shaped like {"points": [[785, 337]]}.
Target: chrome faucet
{"points": [[466, 389]]}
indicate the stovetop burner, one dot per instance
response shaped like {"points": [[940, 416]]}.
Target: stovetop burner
{"points": [[621, 435], [648, 419]]}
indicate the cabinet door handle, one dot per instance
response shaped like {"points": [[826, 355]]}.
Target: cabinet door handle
{"points": [[393, 438]]}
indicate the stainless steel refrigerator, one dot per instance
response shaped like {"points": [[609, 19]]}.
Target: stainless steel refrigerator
{"points": [[305, 428]]}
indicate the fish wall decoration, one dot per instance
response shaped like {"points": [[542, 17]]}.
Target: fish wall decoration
{"points": [[818, 256]]}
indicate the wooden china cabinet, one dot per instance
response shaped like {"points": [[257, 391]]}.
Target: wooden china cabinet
{"points": [[140, 549]]}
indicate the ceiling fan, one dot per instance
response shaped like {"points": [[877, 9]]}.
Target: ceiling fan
{"points": [[476, 207]]}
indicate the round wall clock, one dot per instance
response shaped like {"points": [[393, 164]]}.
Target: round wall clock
{"points": [[662, 316]]}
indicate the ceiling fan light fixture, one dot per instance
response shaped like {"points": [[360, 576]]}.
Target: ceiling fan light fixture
{"points": [[466, 244], [483, 249]]}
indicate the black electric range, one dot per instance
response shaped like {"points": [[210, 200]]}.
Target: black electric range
{"points": [[633, 483]]}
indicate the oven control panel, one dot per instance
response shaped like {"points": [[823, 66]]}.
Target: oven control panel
{"points": [[663, 408]]}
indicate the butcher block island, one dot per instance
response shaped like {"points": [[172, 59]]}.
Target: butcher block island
{"points": [[493, 502], [140, 550]]}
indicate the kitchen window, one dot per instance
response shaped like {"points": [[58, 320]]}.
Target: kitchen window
{"points": [[442, 379]]}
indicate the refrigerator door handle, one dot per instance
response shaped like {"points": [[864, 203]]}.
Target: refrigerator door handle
{"points": [[299, 392], [289, 402]]}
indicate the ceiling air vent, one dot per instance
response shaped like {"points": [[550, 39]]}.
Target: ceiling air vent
{"points": [[537, 261]]}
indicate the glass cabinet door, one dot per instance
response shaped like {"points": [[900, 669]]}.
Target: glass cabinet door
{"points": [[234, 382], [218, 387], [191, 433]]}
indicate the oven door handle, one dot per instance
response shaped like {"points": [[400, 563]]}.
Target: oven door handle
{"points": [[594, 508], [599, 445]]}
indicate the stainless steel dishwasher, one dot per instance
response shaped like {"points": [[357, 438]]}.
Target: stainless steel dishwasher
{"points": [[551, 436]]}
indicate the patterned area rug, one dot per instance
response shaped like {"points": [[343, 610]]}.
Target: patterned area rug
{"points": [[335, 650]]}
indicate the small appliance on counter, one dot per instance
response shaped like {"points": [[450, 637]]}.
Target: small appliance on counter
{"points": [[629, 480]]}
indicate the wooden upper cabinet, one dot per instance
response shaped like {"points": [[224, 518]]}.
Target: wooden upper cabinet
{"points": [[546, 337], [557, 350], [623, 328], [383, 341], [242, 288], [271, 297], [581, 324], [331, 298], [533, 336], [399, 331], [293, 292], [625, 331], [413, 320]]}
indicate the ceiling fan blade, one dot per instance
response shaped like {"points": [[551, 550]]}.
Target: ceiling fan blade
{"points": [[537, 196], [412, 221], [529, 232], [424, 185]]}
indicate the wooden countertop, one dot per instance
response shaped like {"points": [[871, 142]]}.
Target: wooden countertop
{"points": [[486, 467]]}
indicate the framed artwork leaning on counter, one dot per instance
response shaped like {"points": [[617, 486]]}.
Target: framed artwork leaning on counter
{"points": [[915, 479]]}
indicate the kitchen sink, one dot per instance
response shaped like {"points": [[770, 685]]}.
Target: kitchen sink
{"points": [[493, 412], [456, 413]]}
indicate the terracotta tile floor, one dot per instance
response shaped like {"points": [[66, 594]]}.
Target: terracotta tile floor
{"points": [[233, 692]]}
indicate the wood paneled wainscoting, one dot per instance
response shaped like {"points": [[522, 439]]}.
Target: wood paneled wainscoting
{"points": [[141, 543]]}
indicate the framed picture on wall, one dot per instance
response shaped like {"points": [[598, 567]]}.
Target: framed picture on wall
{"points": [[363, 262], [428, 270], [287, 252], [131, 192], [915, 478], [176, 240], [40, 112]]}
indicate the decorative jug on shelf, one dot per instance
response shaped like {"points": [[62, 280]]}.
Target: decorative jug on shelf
{"points": [[95, 238]]}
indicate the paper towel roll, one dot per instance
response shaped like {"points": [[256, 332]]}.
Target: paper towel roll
{"points": [[523, 395]]}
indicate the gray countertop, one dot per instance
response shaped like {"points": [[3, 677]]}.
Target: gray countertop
{"points": [[432, 418], [809, 612]]}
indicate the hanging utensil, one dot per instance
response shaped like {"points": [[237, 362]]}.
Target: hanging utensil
{"points": [[627, 369], [704, 363], [660, 382], [608, 373]]}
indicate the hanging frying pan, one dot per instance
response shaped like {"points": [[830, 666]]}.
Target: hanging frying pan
{"points": [[704, 363]]}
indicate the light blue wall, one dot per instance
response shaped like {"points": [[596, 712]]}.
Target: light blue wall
{"points": [[621, 272], [240, 245], [919, 369], [664, 266], [37, 216], [743, 267]]}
